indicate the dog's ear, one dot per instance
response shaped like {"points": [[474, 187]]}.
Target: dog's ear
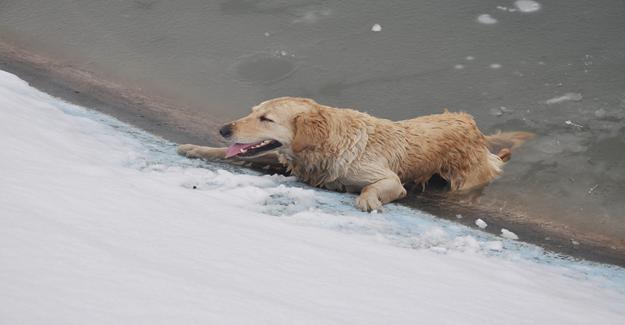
{"points": [[310, 130]]}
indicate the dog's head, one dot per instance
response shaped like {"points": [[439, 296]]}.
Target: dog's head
{"points": [[272, 125]]}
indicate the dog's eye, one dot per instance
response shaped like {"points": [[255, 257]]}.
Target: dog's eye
{"points": [[265, 119]]}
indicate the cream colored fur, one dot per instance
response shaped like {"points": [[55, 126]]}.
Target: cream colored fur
{"points": [[347, 150]]}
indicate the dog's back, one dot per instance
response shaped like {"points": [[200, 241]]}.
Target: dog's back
{"points": [[451, 145]]}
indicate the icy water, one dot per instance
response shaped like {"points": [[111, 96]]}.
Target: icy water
{"points": [[555, 68]]}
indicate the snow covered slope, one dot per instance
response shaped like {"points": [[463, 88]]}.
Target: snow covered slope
{"points": [[103, 224]]}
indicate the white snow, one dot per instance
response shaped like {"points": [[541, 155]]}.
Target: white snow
{"points": [[495, 245], [527, 5], [486, 19], [376, 28], [505, 233], [101, 224], [566, 97], [481, 223]]}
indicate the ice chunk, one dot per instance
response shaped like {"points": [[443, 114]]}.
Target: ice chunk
{"points": [[495, 66], [481, 223], [527, 5], [376, 28], [566, 97], [486, 19], [505, 233]]}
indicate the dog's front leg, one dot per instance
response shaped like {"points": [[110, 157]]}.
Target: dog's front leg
{"points": [[208, 153], [381, 192], [269, 160]]}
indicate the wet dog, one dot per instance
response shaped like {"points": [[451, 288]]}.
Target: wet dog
{"points": [[347, 150]]}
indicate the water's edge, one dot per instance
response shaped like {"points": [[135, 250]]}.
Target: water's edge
{"points": [[169, 121]]}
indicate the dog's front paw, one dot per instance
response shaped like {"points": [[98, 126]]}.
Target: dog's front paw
{"points": [[368, 201], [188, 150]]}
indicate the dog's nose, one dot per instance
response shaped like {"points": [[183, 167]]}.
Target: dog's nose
{"points": [[226, 131]]}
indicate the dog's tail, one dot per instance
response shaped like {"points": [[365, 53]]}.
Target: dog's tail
{"points": [[502, 143]]}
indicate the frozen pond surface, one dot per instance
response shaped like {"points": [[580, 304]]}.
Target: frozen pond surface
{"points": [[556, 68]]}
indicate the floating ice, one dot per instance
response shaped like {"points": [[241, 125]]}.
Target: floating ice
{"points": [[527, 5], [506, 9], [566, 97], [571, 123], [376, 28], [458, 66], [505, 233], [481, 223], [495, 66], [486, 19], [469, 58]]}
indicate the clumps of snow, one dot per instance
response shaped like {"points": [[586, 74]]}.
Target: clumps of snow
{"points": [[527, 5], [576, 97], [466, 244], [469, 58], [495, 245], [495, 66], [486, 19], [505, 233], [481, 223], [376, 28], [458, 66]]}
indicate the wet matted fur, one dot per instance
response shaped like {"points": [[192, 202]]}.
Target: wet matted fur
{"points": [[347, 150]]}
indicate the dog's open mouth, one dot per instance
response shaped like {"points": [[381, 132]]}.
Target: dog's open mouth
{"points": [[251, 149]]}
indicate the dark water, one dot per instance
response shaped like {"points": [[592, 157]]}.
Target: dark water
{"points": [[558, 72]]}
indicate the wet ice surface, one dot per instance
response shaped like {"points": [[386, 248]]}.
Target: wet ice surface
{"points": [[226, 56], [103, 223]]}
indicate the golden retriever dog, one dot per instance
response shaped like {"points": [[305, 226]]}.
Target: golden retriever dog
{"points": [[347, 150]]}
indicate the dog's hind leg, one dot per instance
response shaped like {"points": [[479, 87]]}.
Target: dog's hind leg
{"points": [[386, 190]]}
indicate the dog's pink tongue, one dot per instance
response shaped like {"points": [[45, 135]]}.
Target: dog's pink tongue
{"points": [[235, 149]]}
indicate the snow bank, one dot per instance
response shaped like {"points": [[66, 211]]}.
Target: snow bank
{"points": [[103, 224]]}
